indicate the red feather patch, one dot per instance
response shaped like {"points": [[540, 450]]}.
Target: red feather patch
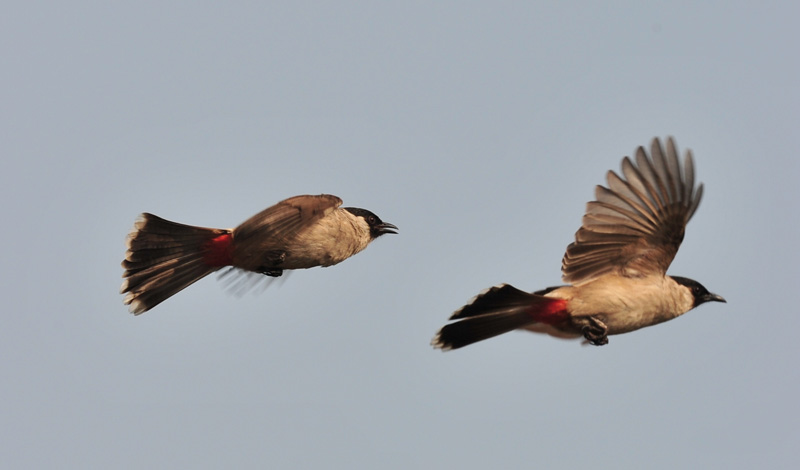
{"points": [[551, 312], [219, 251]]}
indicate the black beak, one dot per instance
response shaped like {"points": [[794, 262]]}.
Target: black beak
{"points": [[386, 228], [713, 298]]}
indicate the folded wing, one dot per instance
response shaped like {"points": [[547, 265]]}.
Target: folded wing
{"points": [[286, 218]]}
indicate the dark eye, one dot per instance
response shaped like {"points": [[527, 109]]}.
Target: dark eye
{"points": [[371, 220]]}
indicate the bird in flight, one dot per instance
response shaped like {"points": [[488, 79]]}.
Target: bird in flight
{"points": [[301, 232], [616, 267]]}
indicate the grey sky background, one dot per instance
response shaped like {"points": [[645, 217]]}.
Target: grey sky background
{"points": [[480, 129]]}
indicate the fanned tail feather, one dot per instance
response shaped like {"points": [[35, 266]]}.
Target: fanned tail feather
{"points": [[495, 311], [165, 257], [473, 329]]}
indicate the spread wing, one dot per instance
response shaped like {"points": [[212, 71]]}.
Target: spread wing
{"points": [[284, 219], [636, 225]]}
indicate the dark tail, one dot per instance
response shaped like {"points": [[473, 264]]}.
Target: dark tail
{"points": [[165, 257], [495, 311]]}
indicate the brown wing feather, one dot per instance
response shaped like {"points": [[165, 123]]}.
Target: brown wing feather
{"points": [[277, 223], [635, 226]]}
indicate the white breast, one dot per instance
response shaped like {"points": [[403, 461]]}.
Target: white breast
{"points": [[332, 240], [625, 304]]}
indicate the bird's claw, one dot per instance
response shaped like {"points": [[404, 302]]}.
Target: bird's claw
{"points": [[272, 272], [272, 259], [596, 332]]}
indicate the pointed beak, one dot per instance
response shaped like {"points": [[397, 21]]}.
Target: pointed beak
{"points": [[714, 298], [386, 228]]}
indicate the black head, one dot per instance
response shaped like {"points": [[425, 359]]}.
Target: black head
{"points": [[700, 293], [377, 227]]}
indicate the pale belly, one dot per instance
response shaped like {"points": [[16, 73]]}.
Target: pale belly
{"points": [[622, 304]]}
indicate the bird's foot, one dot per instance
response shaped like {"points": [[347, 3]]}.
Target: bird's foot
{"points": [[596, 332], [270, 260], [271, 272]]}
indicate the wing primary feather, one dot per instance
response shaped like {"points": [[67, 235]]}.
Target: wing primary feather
{"points": [[639, 184], [649, 172], [598, 216], [636, 224], [609, 195], [662, 172], [688, 168], [674, 169], [695, 201]]}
